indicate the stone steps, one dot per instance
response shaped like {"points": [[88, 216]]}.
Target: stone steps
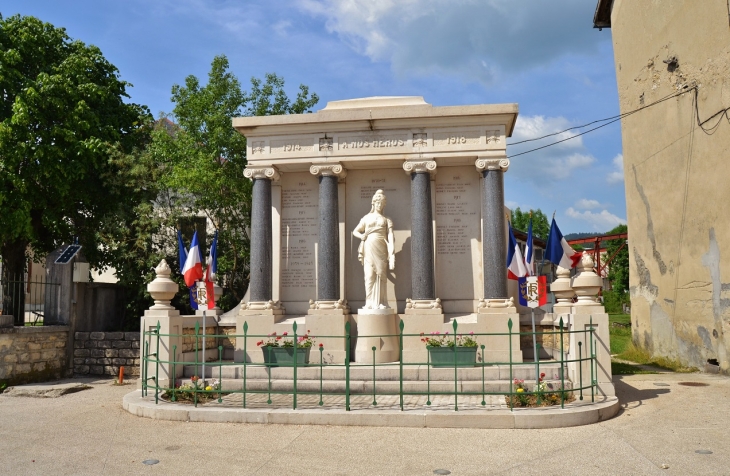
{"points": [[416, 379], [382, 372]]}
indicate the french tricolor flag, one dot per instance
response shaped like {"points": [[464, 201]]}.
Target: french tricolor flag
{"points": [[529, 252], [211, 271], [193, 269], [558, 251], [515, 262]]}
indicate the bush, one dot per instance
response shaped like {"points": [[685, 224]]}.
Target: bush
{"points": [[614, 300]]}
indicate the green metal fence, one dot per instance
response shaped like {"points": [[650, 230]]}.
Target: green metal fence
{"points": [[151, 369], [26, 300]]}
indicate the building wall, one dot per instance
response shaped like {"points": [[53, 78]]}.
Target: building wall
{"points": [[676, 175], [102, 353], [32, 354]]}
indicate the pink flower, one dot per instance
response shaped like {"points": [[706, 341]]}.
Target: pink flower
{"points": [[285, 333]]}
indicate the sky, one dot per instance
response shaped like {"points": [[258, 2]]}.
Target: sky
{"points": [[544, 55]]}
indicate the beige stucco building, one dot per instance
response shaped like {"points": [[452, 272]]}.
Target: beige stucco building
{"points": [[672, 62]]}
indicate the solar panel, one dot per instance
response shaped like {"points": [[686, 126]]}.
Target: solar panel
{"points": [[68, 254]]}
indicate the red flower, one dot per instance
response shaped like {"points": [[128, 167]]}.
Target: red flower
{"points": [[542, 375], [285, 333], [278, 337], [259, 343], [194, 378], [321, 345]]}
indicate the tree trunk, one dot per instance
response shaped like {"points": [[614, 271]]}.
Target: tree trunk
{"points": [[13, 282]]}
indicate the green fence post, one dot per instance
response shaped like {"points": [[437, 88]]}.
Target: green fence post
{"points": [[347, 365], [296, 359], [157, 366], [220, 374], [539, 379], [268, 371], [511, 380], [195, 386], [456, 377], [145, 359], [245, 358], [400, 361], [321, 360], [593, 358], [174, 370], [580, 368], [428, 377], [484, 400], [562, 367], [374, 401]]}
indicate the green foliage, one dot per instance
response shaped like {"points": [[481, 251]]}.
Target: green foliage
{"points": [[203, 158], [614, 300], [620, 332], [540, 225], [618, 268], [69, 148]]}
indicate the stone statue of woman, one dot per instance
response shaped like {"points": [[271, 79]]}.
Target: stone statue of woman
{"points": [[376, 252]]}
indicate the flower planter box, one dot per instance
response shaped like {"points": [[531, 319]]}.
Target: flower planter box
{"points": [[444, 356], [284, 356]]}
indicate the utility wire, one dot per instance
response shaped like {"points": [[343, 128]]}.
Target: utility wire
{"points": [[610, 120]]}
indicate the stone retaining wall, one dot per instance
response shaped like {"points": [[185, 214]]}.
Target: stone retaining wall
{"points": [[32, 354], [102, 353]]}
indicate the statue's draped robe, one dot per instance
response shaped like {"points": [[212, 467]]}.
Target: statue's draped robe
{"points": [[373, 254]]}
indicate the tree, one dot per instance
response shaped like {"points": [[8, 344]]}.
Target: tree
{"points": [[204, 158], [540, 225], [618, 268], [62, 120]]}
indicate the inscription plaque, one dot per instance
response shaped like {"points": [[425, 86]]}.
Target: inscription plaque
{"points": [[359, 142], [299, 232], [458, 235], [456, 138]]}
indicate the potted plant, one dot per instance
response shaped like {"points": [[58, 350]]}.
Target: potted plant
{"points": [[451, 350], [279, 349]]}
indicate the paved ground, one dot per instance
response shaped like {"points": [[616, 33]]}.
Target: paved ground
{"points": [[88, 433]]}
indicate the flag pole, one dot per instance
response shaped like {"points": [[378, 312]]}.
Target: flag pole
{"points": [[205, 324]]}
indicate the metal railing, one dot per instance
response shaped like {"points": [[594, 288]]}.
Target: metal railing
{"points": [[151, 369], [26, 300]]}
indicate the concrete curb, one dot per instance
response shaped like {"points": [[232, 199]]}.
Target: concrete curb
{"points": [[575, 414]]}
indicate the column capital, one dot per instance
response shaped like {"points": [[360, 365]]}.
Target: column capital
{"points": [[270, 173], [422, 165], [483, 164], [335, 169]]}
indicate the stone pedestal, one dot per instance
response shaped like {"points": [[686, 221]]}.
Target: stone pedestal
{"points": [[493, 316], [563, 292], [377, 328]]}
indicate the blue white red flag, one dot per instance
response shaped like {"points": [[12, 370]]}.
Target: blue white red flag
{"points": [[182, 252], [193, 269], [529, 252], [515, 262], [558, 251], [211, 270]]}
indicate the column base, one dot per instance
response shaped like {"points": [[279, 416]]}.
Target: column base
{"points": [[338, 307], [423, 306], [258, 308], [497, 306], [328, 324]]}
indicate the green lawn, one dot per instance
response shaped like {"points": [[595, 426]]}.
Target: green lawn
{"points": [[623, 348]]}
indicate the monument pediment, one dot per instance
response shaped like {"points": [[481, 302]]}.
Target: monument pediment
{"points": [[387, 129]]}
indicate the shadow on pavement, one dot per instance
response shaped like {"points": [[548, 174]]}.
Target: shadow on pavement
{"points": [[628, 394]]}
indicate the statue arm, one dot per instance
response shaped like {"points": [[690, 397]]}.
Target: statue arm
{"points": [[359, 231], [391, 246]]}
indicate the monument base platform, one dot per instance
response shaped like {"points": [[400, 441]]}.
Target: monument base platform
{"points": [[378, 329]]}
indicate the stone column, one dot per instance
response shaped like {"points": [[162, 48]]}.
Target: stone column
{"points": [[260, 286], [328, 249], [494, 246], [423, 287]]}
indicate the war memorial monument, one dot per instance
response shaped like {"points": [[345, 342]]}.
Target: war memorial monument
{"points": [[383, 212]]}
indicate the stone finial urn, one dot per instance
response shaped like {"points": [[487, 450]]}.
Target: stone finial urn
{"points": [[561, 287], [586, 283], [162, 288]]}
